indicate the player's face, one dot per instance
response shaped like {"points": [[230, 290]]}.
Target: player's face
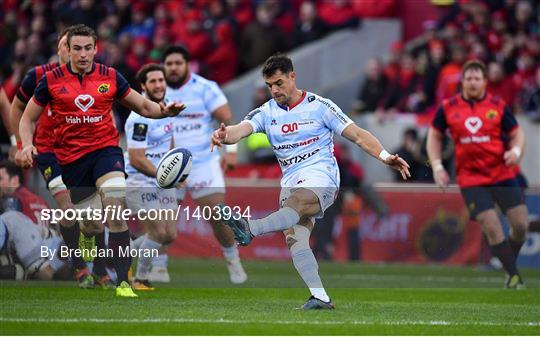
{"points": [[176, 69], [473, 83], [7, 184], [82, 50], [63, 50], [155, 86], [281, 86]]}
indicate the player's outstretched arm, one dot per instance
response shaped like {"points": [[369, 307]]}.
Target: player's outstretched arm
{"points": [[434, 145], [371, 145], [230, 134], [30, 115], [15, 115], [147, 108]]}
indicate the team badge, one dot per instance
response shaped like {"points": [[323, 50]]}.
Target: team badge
{"points": [[103, 88], [491, 114], [47, 173]]}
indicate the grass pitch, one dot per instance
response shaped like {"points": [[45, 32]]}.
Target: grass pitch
{"points": [[370, 299]]}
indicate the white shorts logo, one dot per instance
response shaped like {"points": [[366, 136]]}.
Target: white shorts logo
{"points": [[473, 124], [84, 102]]}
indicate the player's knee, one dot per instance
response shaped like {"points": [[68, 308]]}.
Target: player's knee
{"points": [[298, 240], [114, 188]]}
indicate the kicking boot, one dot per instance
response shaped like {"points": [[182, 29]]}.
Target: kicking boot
{"points": [[314, 303], [239, 226]]}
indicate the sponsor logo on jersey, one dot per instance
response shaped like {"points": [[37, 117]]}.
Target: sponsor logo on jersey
{"points": [[473, 124], [290, 127], [295, 145], [84, 102], [297, 159], [191, 115], [139, 131], [83, 119], [103, 88], [188, 127]]}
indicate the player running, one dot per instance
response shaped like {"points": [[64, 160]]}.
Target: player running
{"points": [[300, 127], [47, 164], [192, 130], [81, 94], [147, 141], [486, 176]]}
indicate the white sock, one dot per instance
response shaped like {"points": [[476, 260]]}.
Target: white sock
{"points": [[143, 266], [138, 241], [305, 263], [160, 261], [230, 253], [278, 221]]}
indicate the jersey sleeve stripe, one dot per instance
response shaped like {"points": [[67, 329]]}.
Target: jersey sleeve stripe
{"points": [[38, 102]]}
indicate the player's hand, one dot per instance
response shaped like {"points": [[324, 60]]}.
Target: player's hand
{"points": [[218, 137], [18, 159], [399, 164], [172, 109], [229, 161], [441, 177], [27, 154], [511, 158]]}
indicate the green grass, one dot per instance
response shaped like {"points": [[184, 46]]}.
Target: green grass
{"points": [[370, 299]]}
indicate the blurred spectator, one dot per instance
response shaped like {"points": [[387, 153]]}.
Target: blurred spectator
{"points": [[261, 39], [87, 12], [374, 8], [532, 108], [309, 26], [450, 75], [241, 12], [19, 198], [141, 26], [337, 13], [191, 34], [138, 55], [500, 85], [223, 60], [431, 75], [410, 151], [406, 91], [373, 91]]}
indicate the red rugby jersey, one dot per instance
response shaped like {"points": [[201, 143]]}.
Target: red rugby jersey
{"points": [[31, 204], [477, 128], [44, 134], [82, 106]]}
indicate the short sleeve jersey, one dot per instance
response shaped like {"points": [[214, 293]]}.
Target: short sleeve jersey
{"points": [[194, 126], [301, 135], [477, 129], [153, 135], [81, 107], [44, 134]]}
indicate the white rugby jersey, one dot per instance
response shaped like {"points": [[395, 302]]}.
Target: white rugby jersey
{"points": [[301, 135], [154, 135], [193, 127]]}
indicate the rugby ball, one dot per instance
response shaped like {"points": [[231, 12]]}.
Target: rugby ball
{"points": [[173, 168]]}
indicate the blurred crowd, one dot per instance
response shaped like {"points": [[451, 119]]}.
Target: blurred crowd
{"points": [[418, 75], [225, 37]]}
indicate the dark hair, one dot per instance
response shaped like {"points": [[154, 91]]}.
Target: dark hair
{"points": [[176, 49], [143, 72], [277, 62], [474, 65], [81, 30], [63, 33], [12, 169], [411, 132]]}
